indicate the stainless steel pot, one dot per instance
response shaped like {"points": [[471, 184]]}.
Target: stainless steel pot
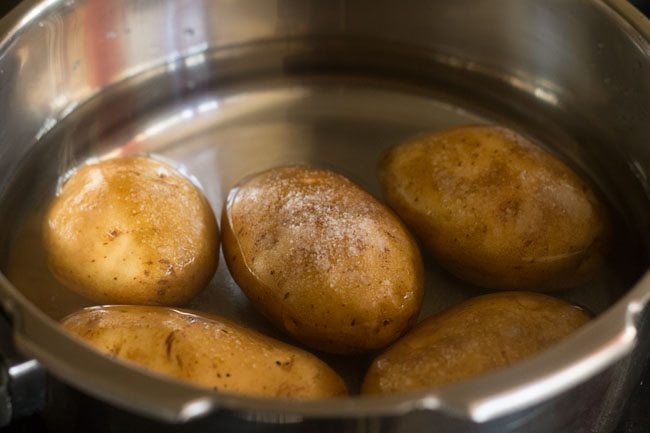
{"points": [[223, 88]]}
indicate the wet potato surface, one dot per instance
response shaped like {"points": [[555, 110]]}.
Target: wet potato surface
{"points": [[322, 259], [131, 230], [207, 351], [497, 210], [477, 336]]}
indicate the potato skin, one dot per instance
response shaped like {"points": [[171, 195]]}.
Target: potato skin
{"points": [[474, 337], [322, 259], [206, 350], [496, 210], [131, 230]]}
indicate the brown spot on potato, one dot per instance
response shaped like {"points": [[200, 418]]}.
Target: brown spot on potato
{"points": [[169, 341], [509, 208]]}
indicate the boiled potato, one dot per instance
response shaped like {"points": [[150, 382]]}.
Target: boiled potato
{"points": [[479, 335], [496, 210], [322, 259], [131, 230], [206, 350]]}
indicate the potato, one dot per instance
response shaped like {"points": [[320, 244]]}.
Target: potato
{"points": [[322, 259], [131, 230], [206, 350], [479, 335], [496, 210]]}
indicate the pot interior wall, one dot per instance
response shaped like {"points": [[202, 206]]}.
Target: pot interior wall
{"points": [[223, 91], [220, 116]]}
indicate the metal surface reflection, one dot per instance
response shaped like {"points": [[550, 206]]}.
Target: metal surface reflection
{"points": [[232, 87]]}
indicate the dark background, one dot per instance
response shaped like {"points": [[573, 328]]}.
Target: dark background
{"points": [[643, 5], [637, 412]]}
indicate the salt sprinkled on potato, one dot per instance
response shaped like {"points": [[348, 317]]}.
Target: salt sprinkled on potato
{"points": [[322, 259]]}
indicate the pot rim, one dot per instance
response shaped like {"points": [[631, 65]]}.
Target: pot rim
{"points": [[609, 338]]}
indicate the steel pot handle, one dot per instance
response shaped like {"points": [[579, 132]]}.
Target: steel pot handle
{"points": [[22, 381]]}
